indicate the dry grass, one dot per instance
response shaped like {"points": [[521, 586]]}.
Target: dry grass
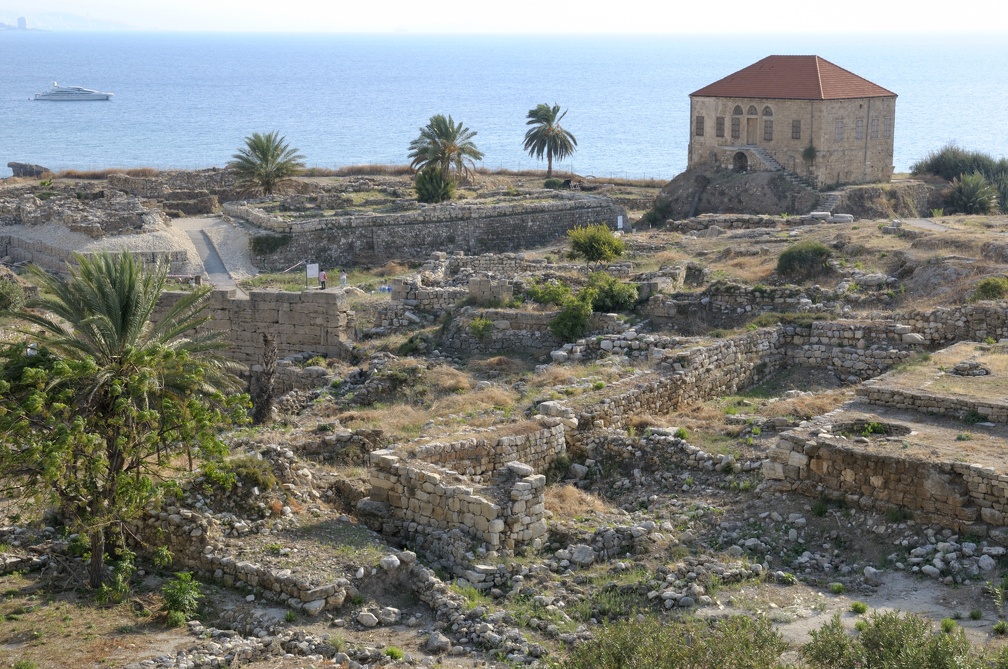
{"points": [[104, 174], [498, 364], [805, 407], [395, 419], [444, 379], [359, 171], [480, 400], [566, 501], [556, 375]]}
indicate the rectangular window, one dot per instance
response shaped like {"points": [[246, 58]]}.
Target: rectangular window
{"points": [[887, 127], [699, 126], [767, 131], [719, 126], [859, 129], [736, 127], [874, 128], [839, 130], [795, 129]]}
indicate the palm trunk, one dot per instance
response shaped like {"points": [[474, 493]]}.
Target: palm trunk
{"points": [[549, 165], [96, 572]]}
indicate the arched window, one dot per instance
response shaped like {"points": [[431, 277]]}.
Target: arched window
{"points": [[737, 111], [767, 111], [752, 110]]}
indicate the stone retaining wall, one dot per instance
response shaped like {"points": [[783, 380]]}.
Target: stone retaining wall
{"points": [[994, 410], [729, 305], [56, 259], [535, 444], [211, 180], [967, 498], [730, 222], [348, 240], [303, 321], [512, 330]]}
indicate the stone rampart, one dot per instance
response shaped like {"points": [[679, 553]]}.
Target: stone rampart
{"points": [[304, 321], [348, 240]]}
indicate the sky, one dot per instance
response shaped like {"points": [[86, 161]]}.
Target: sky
{"points": [[514, 16]]}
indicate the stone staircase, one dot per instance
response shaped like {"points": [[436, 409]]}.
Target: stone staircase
{"points": [[828, 201]]}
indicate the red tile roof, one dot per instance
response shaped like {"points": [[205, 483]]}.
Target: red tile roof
{"points": [[793, 78]]}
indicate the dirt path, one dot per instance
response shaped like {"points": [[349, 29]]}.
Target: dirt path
{"points": [[925, 224], [222, 247]]}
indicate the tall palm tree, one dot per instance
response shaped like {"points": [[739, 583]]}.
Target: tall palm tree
{"points": [[266, 161], [135, 386], [547, 137], [446, 146]]}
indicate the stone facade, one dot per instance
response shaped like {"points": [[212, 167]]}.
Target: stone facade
{"points": [[347, 240], [305, 321]]}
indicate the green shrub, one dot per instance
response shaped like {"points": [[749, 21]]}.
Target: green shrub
{"points": [[804, 260], [263, 245], [860, 608], [553, 184], [219, 476], [118, 588], [948, 625], [595, 243], [182, 595], [991, 288], [890, 640], [24, 664], [551, 292], [12, 295], [972, 194], [433, 186], [253, 472], [837, 588], [681, 433], [480, 327], [175, 619], [162, 557], [611, 294], [738, 642], [1001, 628], [572, 321], [290, 616], [394, 653], [976, 614]]}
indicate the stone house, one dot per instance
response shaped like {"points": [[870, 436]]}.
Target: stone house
{"points": [[800, 113]]}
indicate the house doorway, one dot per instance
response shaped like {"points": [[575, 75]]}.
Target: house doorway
{"points": [[750, 130], [740, 163]]}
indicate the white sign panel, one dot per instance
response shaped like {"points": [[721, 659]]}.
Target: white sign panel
{"points": [[619, 222], [312, 270]]}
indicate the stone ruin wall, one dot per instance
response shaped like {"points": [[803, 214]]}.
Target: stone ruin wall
{"points": [[305, 321], [348, 240], [728, 305], [964, 497], [990, 409], [211, 180], [513, 331], [535, 444], [56, 260]]}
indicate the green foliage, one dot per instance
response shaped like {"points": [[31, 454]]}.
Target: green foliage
{"points": [[217, 476], [595, 243], [24, 664], [266, 162], [253, 472], [264, 245], [976, 614], [738, 642], [290, 616], [551, 292], [809, 154], [553, 184], [948, 625], [951, 162], [110, 394], [837, 588], [991, 288], [182, 595], [175, 619], [889, 640], [1000, 628], [12, 295], [119, 588], [394, 653], [480, 327], [572, 321], [681, 433], [162, 557], [611, 294], [433, 186], [803, 260], [445, 146], [972, 194], [547, 137], [859, 608]]}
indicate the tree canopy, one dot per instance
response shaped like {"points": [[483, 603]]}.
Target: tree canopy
{"points": [[266, 161], [95, 405], [547, 137], [595, 243], [446, 146]]}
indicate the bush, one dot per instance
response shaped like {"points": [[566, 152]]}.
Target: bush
{"points": [[572, 321], [553, 184], [889, 640], [611, 293], [433, 186], [595, 243], [738, 642], [182, 595], [480, 327], [951, 162], [859, 608], [12, 295], [552, 292], [394, 653], [972, 194], [253, 472], [991, 288], [804, 260]]}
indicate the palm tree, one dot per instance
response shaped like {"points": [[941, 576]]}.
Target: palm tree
{"points": [[266, 161], [130, 387], [547, 137], [446, 146]]}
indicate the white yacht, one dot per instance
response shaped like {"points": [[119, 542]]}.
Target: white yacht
{"points": [[69, 93]]}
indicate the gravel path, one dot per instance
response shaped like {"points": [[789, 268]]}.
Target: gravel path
{"points": [[230, 240]]}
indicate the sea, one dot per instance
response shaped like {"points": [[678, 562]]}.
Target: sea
{"points": [[187, 100]]}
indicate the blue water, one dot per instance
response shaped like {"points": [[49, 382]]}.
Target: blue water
{"points": [[187, 100]]}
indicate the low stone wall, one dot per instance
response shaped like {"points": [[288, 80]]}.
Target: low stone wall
{"points": [[729, 222], [211, 180], [535, 443], [967, 498], [729, 305], [311, 320], [947, 325], [512, 330], [505, 264], [348, 240], [994, 410], [507, 515], [56, 259], [852, 350]]}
